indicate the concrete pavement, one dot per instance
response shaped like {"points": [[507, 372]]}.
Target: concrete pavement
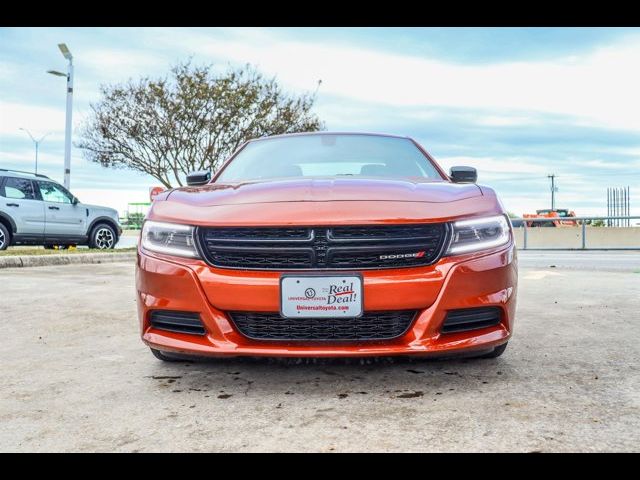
{"points": [[598, 261], [76, 377]]}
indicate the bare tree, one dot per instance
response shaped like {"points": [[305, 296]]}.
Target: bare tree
{"points": [[192, 120]]}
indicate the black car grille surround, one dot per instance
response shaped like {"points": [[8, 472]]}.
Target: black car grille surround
{"points": [[312, 248], [471, 319], [179, 322], [370, 326]]}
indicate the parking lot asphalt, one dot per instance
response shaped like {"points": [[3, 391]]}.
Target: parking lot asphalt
{"points": [[76, 377]]}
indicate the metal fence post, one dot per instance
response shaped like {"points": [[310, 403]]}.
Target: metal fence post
{"points": [[524, 224], [584, 234]]}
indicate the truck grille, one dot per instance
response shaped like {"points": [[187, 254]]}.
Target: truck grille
{"points": [[370, 326], [340, 247]]}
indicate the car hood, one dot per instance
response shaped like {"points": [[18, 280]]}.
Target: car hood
{"points": [[323, 202], [324, 190]]}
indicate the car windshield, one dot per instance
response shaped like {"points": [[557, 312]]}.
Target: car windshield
{"points": [[329, 155]]}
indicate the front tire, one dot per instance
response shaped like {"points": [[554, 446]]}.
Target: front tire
{"points": [[167, 357], [496, 352], [5, 237], [103, 237]]}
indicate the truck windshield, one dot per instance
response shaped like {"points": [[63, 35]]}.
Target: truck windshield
{"points": [[323, 155]]}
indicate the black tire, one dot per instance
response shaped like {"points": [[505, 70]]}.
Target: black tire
{"points": [[5, 237], [168, 357], [496, 352], [103, 236]]}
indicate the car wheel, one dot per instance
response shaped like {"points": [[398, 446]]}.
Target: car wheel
{"points": [[496, 352], [103, 237], [5, 238], [168, 357]]}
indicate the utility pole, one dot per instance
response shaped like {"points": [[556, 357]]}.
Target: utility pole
{"points": [[553, 190]]}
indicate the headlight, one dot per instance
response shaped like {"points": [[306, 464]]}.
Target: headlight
{"points": [[169, 238], [479, 234]]}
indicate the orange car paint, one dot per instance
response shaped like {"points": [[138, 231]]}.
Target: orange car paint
{"points": [[484, 278]]}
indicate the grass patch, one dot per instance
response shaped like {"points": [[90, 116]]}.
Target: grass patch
{"points": [[21, 251]]}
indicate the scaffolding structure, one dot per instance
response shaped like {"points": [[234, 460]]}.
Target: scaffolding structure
{"points": [[618, 205]]}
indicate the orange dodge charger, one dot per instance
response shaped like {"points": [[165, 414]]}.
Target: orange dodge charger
{"points": [[327, 245]]}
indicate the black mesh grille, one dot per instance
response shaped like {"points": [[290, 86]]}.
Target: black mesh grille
{"points": [[471, 319], [384, 232], [348, 247], [251, 233], [261, 259], [370, 326], [181, 322]]}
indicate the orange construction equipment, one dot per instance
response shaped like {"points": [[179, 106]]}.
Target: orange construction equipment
{"points": [[558, 213]]}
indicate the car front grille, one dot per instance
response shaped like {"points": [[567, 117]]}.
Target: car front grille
{"points": [[307, 248], [370, 326]]}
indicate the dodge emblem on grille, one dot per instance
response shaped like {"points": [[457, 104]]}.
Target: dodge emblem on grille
{"points": [[402, 255]]}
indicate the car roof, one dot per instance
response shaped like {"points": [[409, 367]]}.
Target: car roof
{"points": [[301, 134], [21, 174]]}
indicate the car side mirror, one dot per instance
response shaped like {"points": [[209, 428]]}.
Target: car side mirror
{"points": [[75, 200], [198, 178], [463, 174]]}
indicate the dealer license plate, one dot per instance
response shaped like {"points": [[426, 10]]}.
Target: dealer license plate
{"points": [[304, 296]]}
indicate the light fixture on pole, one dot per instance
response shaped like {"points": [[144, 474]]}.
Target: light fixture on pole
{"points": [[67, 131], [36, 142]]}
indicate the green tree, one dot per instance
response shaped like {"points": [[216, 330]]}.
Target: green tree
{"points": [[191, 120]]}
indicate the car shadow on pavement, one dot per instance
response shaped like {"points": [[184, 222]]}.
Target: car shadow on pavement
{"points": [[340, 378]]}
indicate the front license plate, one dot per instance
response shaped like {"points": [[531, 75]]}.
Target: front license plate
{"points": [[304, 296]]}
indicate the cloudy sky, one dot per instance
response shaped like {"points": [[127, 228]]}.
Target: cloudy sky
{"points": [[518, 104]]}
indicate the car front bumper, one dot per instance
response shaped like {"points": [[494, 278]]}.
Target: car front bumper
{"points": [[475, 280]]}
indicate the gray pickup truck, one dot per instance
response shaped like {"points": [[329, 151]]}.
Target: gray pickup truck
{"points": [[35, 210]]}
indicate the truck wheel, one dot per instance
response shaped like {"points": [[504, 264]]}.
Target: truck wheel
{"points": [[5, 238], [103, 237], [496, 352]]}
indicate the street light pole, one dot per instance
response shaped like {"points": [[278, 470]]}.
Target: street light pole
{"points": [[36, 142], [553, 190], [67, 131]]}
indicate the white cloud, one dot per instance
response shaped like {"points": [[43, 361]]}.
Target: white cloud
{"points": [[7, 70], [110, 64], [506, 120], [608, 165], [504, 165], [599, 87], [39, 120]]}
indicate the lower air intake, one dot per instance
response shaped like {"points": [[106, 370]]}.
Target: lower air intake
{"points": [[179, 322], [370, 326], [471, 319]]}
